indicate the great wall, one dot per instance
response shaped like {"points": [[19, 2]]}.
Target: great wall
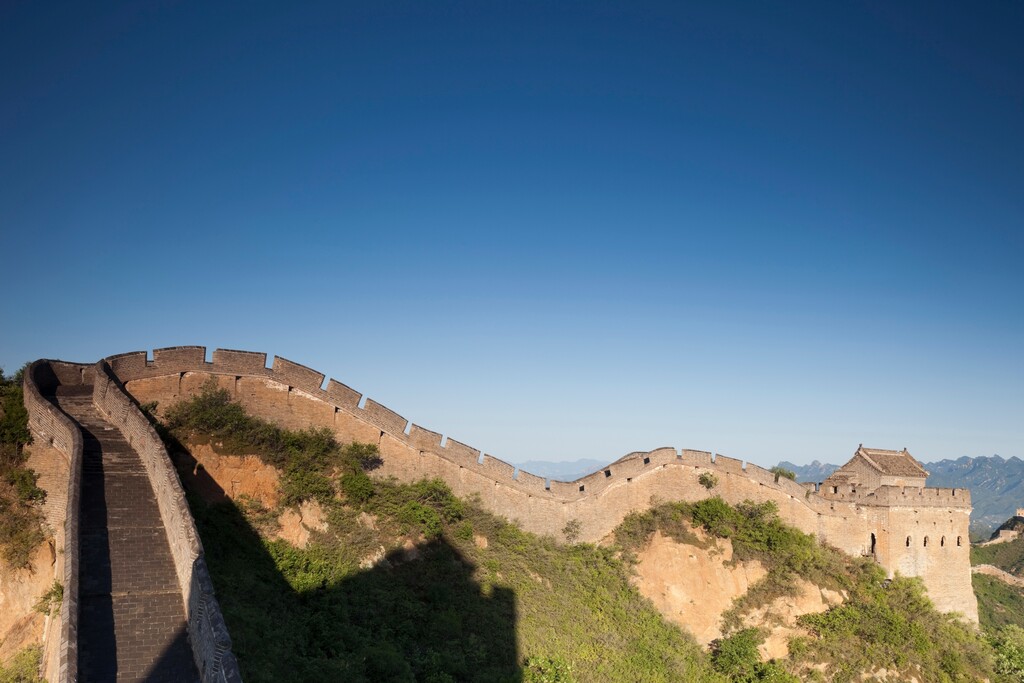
{"points": [[912, 530]]}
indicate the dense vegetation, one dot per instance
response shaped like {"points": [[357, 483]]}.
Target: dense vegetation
{"points": [[1007, 556], [410, 583], [999, 603], [22, 667], [20, 518]]}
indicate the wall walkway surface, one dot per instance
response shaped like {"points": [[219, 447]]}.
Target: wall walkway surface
{"points": [[914, 531], [143, 569]]}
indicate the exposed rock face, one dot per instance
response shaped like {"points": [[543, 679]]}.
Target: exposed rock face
{"points": [[296, 525], [780, 615], [218, 476], [20, 589], [693, 586]]}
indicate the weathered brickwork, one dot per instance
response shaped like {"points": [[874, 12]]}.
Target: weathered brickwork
{"points": [[291, 395]]}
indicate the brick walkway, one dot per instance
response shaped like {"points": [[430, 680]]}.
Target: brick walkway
{"points": [[132, 619]]}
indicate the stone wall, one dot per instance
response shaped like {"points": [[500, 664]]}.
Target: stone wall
{"points": [[52, 428], [294, 396], [208, 634]]}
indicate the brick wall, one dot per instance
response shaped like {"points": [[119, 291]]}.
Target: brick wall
{"points": [[291, 395]]}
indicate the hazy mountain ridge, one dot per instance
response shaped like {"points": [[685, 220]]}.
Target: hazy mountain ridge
{"points": [[561, 471], [996, 484], [816, 471]]}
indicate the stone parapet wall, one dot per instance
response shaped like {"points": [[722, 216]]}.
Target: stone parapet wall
{"points": [[188, 363], [291, 395], [51, 426], [208, 634]]}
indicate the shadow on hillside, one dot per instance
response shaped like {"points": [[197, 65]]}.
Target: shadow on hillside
{"points": [[409, 618]]}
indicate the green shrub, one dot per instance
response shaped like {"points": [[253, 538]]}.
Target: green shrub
{"points": [[300, 484], [357, 487], [13, 414], [893, 625], [737, 656], [547, 670], [1008, 643], [571, 530], [707, 480], [23, 667], [416, 515], [782, 472], [24, 482], [21, 529], [51, 599], [464, 531]]}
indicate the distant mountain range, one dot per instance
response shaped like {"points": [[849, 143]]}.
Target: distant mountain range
{"points": [[816, 471], [561, 471], [996, 484]]}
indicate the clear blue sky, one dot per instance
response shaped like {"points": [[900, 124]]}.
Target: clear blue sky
{"points": [[549, 230]]}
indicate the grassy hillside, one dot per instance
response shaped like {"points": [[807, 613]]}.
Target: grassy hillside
{"points": [[1007, 556], [999, 603], [410, 583]]}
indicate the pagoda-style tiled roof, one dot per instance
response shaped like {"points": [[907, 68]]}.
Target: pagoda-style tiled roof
{"points": [[892, 463]]}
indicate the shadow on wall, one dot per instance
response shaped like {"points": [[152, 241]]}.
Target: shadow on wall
{"points": [[404, 620]]}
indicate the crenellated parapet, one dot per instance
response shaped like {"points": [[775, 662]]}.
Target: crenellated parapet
{"points": [[180, 360], [875, 522], [892, 496]]}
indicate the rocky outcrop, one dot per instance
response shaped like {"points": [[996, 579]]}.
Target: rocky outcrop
{"points": [[694, 585]]}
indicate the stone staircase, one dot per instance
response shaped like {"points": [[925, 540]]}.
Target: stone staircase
{"points": [[131, 619]]}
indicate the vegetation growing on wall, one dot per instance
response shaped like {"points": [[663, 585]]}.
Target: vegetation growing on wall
{"points": [[781, 472], [20, 518]]}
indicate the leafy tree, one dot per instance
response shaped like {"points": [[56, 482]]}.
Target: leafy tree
{"points": [[1008, 644]]}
